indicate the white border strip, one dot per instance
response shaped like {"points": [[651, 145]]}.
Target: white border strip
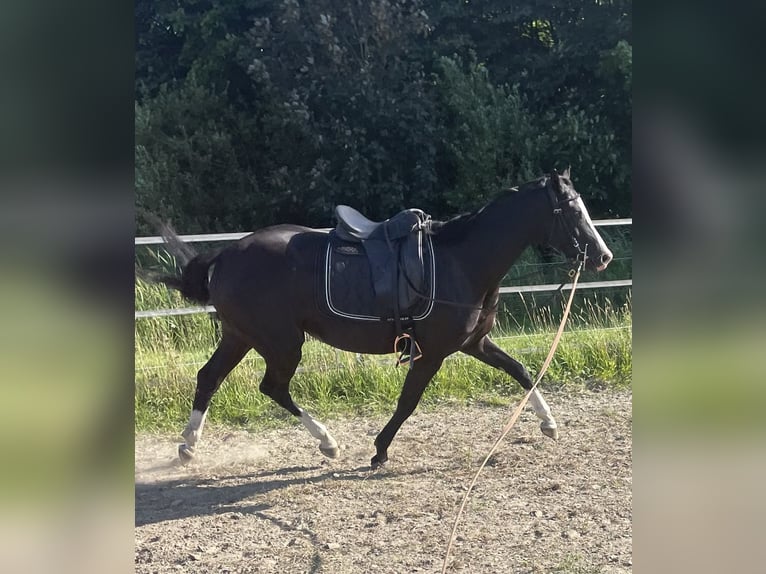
{"points": [[155, 239], [172, 312], [553, 286], [519, 289], [611, 222]]}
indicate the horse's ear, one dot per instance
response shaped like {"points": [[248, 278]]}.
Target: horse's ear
{"points": [[555, 179], [566, 172]]}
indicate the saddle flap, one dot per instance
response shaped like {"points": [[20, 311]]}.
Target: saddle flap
{"points": [[362, 280]]}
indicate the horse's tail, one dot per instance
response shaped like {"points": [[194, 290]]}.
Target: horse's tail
{"points": [[193, 280]]}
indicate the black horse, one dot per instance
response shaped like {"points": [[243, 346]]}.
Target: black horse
{"points": [[264, 289]]}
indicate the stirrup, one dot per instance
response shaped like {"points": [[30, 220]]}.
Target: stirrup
{"points": [[406, 355]]}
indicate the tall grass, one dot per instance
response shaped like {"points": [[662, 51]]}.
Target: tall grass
{"points": [[595, 350]]}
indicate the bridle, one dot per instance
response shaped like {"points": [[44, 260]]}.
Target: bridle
{"points": [[564, 217]]}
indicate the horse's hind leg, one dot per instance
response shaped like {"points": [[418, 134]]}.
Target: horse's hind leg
{"points": [[487, 352], [280, 368], [228, 354]]}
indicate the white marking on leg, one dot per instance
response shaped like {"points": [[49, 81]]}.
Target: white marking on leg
{"points": [[318, 431], [542, 410], [193, 431]]}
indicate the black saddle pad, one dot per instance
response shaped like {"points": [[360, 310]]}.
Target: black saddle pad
{"points": [[346, 286]]}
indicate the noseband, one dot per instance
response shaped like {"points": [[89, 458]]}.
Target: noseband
{"points": [[560, 215]]}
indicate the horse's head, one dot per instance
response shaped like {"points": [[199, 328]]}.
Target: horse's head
{"points": [[572, 231]]}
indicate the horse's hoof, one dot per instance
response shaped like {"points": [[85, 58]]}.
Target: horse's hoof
{"points": [[331, 452], [551, 432], [185, 453], [377, 462]]}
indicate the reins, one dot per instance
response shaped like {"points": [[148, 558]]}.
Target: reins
{"points": [[516, 413]]}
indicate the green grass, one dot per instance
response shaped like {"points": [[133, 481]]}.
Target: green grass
{"points": [[595, 351]]}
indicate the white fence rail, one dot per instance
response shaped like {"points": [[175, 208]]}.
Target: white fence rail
{"points": [[235, 236], [519, 289], [156, 239]]}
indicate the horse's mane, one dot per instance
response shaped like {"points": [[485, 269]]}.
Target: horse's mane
{"points": [[454, 227], [457, 226]]}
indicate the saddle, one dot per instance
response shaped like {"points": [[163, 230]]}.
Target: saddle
{"points": [[399, 255]]}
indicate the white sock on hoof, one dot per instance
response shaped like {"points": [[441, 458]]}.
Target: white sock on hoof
{"points": [[542, 410], [318, 431], [193, 431]]}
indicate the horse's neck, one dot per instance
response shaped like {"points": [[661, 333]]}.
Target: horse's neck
{"points": [[498, 236]]}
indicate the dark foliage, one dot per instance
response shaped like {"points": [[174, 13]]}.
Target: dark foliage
{"points": [[252, 112]]}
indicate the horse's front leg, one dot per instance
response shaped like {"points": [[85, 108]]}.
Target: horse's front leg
{"points": [[415, 383], [229, 352], [487, 352]]}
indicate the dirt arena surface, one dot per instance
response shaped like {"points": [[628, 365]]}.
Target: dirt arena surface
{"points": [[269, 502]]}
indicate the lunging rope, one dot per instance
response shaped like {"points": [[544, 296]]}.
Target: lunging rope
{"points": [[515, 415]]}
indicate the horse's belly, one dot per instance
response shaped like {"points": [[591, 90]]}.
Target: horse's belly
{"points": [[372, 339]]}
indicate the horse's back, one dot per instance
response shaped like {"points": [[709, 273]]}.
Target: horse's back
{"points": [[267, 267], [278, 237]]}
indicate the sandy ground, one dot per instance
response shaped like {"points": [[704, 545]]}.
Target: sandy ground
{"points": [[270, 502]]}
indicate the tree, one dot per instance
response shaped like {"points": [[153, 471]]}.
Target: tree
{"points": [[571, 62], [253, 112], [353, 115]]}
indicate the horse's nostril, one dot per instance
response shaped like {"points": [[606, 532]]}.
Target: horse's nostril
{"points": [[606, 258]]}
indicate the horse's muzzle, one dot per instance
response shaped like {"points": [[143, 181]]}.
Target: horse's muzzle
{"points": [[600, 263]]}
